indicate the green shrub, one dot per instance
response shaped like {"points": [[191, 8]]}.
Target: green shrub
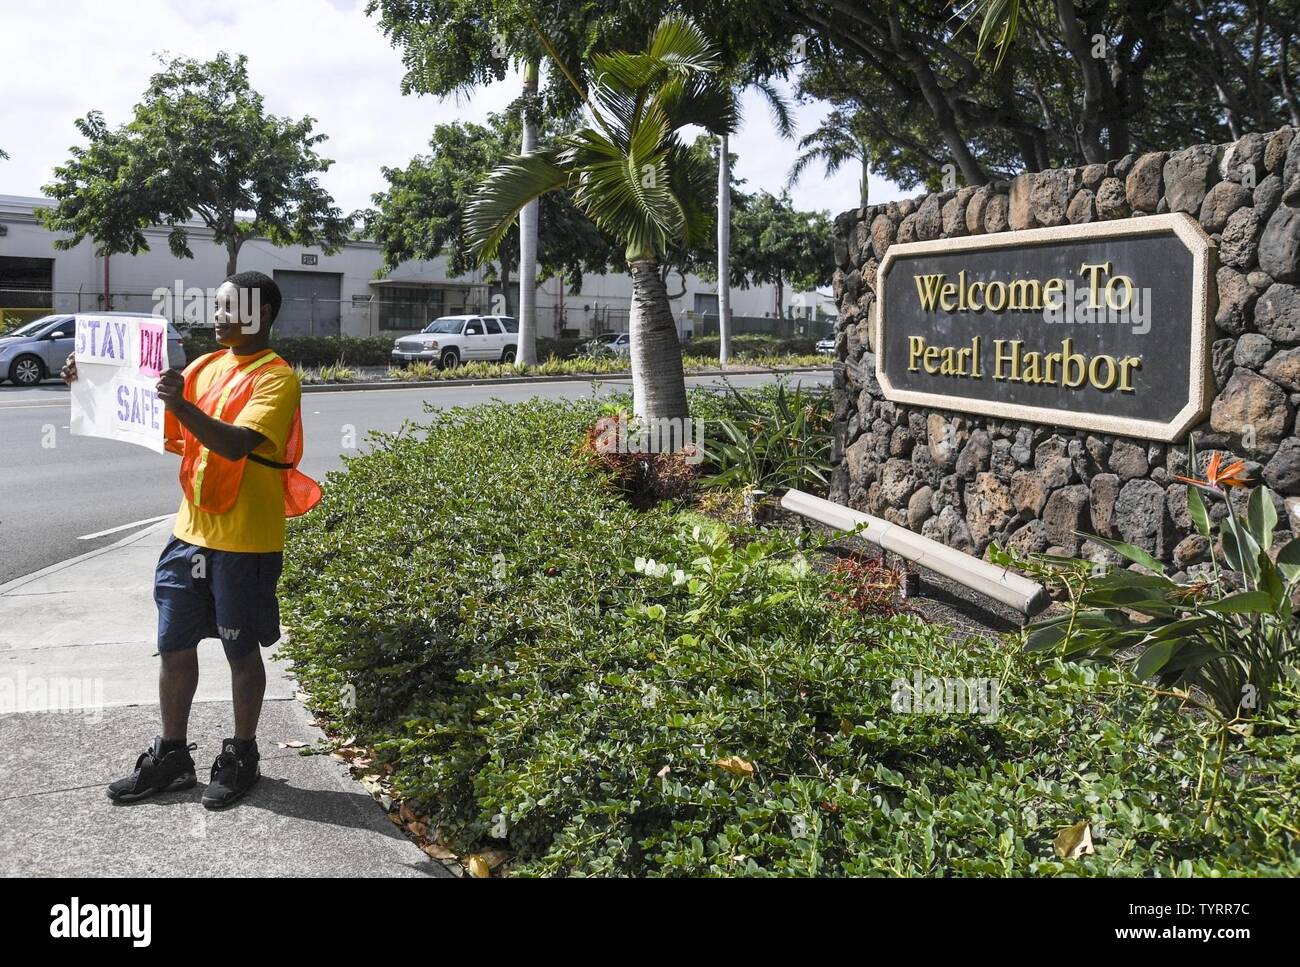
{"points": [[751, 346], [555, 356], [771, 441], [554, 366], [617, 692], [1229, 640], [566, 348], [307, 351], [479, 369]]}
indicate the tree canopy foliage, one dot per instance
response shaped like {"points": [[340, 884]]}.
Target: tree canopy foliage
{"points": [[1082, 82], [421, 214], [911, 89], [199, 144], [775, 243]]}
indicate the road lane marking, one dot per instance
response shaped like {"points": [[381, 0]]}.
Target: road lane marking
{"points": [[122, 527]]}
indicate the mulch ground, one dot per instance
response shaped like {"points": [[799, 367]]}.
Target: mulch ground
{"points": [[939, 600]]}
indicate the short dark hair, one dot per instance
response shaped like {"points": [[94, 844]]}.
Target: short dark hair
{"points": [[268, 293]]}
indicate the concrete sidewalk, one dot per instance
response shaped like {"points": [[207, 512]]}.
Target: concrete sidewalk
{"points": [[78, 703]]}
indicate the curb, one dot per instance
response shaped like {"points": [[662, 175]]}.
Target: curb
{"points": [[564, 378], [53, 568]]}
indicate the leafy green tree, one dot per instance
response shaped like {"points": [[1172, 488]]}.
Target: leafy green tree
{"points": [[450, 46], [421, 214], [199, 145], [776, 244], [1087, 81], [630, 172], [1243, 50], [926, 88]]}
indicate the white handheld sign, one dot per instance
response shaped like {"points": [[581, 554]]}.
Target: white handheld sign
{"points": [[119, 359]]}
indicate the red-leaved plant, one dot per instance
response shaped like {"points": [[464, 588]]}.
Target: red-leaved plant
{"points": [[645, 477]]}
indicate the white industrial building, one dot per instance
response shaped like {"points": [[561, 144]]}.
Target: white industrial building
{"points": [[342, 294]]}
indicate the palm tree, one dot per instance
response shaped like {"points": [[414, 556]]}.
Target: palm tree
{"points": [[835, 144], [629, 171], [785, 126], [526, 353], [724, 249]]}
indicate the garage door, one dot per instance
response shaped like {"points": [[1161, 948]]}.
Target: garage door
{"points": [[26, 283], [311, 305]]}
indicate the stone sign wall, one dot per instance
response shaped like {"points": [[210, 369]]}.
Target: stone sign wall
{"points": [[967, 479]]}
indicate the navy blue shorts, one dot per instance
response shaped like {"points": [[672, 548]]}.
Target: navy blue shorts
{"points": [[202, 593]]}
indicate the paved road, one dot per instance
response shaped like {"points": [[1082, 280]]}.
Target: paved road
{"points": [[56, 488]]}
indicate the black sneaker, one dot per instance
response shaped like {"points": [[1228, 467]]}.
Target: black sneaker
{"points": [[233, 774], [156, 771]]}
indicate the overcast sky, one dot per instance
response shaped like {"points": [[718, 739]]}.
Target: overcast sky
{"points": [[322, 58]]}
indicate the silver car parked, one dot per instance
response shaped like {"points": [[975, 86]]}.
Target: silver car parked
{"points": [[37, 350], [608, 344]]}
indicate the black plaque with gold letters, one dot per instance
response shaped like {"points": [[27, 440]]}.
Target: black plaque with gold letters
{"points": [[1103, 326]]}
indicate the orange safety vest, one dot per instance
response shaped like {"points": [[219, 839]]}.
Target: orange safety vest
{"points": [[209, 480]]}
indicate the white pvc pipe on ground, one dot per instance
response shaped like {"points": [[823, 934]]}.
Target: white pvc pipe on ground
{"points": [[998, 583]]}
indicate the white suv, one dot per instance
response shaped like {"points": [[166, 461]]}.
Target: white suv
{"points": [[451, 340]]}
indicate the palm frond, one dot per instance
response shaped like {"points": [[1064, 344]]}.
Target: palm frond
{"points": [[613, 196], [693, 180], [832, 146], [998, 26], [626, 71], [677, 49], [679, 42], [507, 189], [628, 170], [699, 100], [779, 105], [618, 108]]}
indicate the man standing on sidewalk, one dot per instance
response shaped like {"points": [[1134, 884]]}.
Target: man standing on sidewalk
{"points": [[234, 417]]}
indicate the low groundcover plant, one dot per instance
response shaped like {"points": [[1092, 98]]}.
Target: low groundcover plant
{"points": [[542, 670]]}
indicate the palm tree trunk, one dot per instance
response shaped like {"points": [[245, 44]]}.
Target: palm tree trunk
{"points": [[724, 251], [505, 288], [527, 351], [863, 189], [658, 383]]}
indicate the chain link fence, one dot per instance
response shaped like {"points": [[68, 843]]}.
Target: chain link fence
{"points": [[380, 314], [573, 320], [777, 327], [19, 305], [361, 315]]}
